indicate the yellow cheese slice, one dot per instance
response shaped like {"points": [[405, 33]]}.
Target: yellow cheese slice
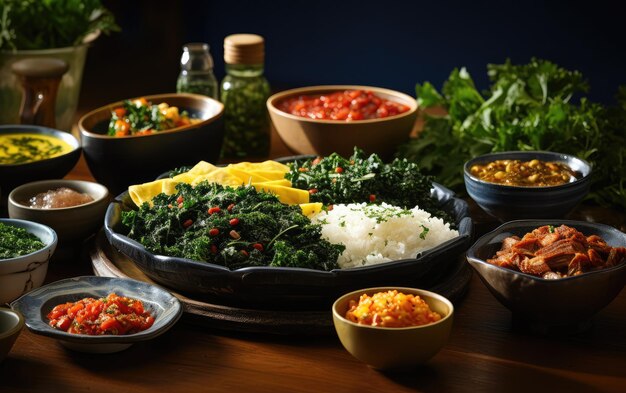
{"points": [[145, 192], [311, 208], [268, 176]]}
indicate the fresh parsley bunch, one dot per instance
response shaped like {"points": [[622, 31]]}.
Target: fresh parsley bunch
{"points": [[45, 24], [527, 107]]}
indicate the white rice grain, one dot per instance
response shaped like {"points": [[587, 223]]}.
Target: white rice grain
{"points": [[375, 234]]}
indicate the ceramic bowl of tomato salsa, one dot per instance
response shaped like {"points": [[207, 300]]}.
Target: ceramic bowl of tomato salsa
{"points": [[99, 314], [335, 118]]}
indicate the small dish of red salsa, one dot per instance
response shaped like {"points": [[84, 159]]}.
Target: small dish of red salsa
{"points": [[114, 315], [346, 105]]}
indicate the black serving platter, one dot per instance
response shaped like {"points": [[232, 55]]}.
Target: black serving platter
{"points": [[280, 287]]}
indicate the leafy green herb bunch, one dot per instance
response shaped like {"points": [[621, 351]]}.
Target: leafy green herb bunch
{"points": [[533, 106], [46, 24]]}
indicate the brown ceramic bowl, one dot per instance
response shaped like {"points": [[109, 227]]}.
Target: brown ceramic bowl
{"points": [[323, 137], [70, 223], [118, 162]]}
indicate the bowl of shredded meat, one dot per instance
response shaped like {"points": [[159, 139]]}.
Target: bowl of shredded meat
{"points": [[552, 273]]}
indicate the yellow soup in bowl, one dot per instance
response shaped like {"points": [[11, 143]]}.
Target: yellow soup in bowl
{"points": [[23, 148]]}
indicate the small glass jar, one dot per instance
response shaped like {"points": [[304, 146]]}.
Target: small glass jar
{"points": [[244, 92], [196, 71]]}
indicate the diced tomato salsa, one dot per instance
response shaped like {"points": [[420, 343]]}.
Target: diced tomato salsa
{"points": [[116, 315], [348, 105]]}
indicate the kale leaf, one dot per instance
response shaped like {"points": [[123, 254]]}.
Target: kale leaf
{"points": [[361, 178], [233, 227]]}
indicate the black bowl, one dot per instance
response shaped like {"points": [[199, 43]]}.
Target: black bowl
{"points": [[118, 162], [12, 176], [511, 202], [547, 304], [277, 287]]}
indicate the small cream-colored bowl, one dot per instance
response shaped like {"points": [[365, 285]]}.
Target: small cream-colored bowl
{"points": [[323, 137], [70, 223], [11, 324], [386, 348], [23, 273]]}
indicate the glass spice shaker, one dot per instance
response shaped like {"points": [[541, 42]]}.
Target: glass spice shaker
{"points": [[244, 92], [196, 71]]}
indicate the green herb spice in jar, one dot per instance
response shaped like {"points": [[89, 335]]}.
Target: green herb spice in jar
{"points": [[244, 94]]}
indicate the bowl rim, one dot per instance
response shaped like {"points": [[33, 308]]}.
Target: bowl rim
{"points": [[558, 157], [40, 296], [483, 240], [66, 137], [18, 326], [150, 98], [407, 99], [26, 224], [59, 183], [406, 290]]}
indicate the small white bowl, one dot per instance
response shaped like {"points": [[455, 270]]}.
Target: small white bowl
{"points": [[24, 273]]}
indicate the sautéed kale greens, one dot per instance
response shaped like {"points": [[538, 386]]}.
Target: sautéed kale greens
{"points": [[527, 107], [15, 242], [361, 178], [233, 227]]}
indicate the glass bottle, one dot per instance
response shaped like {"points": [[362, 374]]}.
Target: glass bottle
{"points": [[196, 71], [244, 92]]}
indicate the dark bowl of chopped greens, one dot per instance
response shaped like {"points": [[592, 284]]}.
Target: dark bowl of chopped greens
{"points": [[184, 242], [128, 142], [25, 251], [29, 153], [527, 184]]}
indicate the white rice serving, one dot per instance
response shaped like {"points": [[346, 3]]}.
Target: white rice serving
{"points": [[375, 234]]}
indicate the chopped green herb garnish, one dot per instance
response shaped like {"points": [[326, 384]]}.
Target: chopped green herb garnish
{"points": [[15, 242]]}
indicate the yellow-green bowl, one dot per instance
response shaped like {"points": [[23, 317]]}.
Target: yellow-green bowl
{"points": [[387, 348]]}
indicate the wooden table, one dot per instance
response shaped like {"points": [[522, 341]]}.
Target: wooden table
{"points": [[486, 352]]}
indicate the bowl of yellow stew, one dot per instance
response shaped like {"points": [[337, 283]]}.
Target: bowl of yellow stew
{"points": [[527, 184], [131, 141], [29, 153]]}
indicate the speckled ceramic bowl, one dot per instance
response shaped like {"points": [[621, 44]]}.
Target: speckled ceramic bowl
{"points": [[386, 348], [512, 203], [548, 304], [35, 305], [21, 274]]}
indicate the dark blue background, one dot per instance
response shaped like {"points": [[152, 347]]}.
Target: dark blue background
{"points": [[398, 43], [392, 44]]}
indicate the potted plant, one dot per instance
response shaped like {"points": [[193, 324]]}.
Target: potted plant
{"points": [[60, 29]]}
